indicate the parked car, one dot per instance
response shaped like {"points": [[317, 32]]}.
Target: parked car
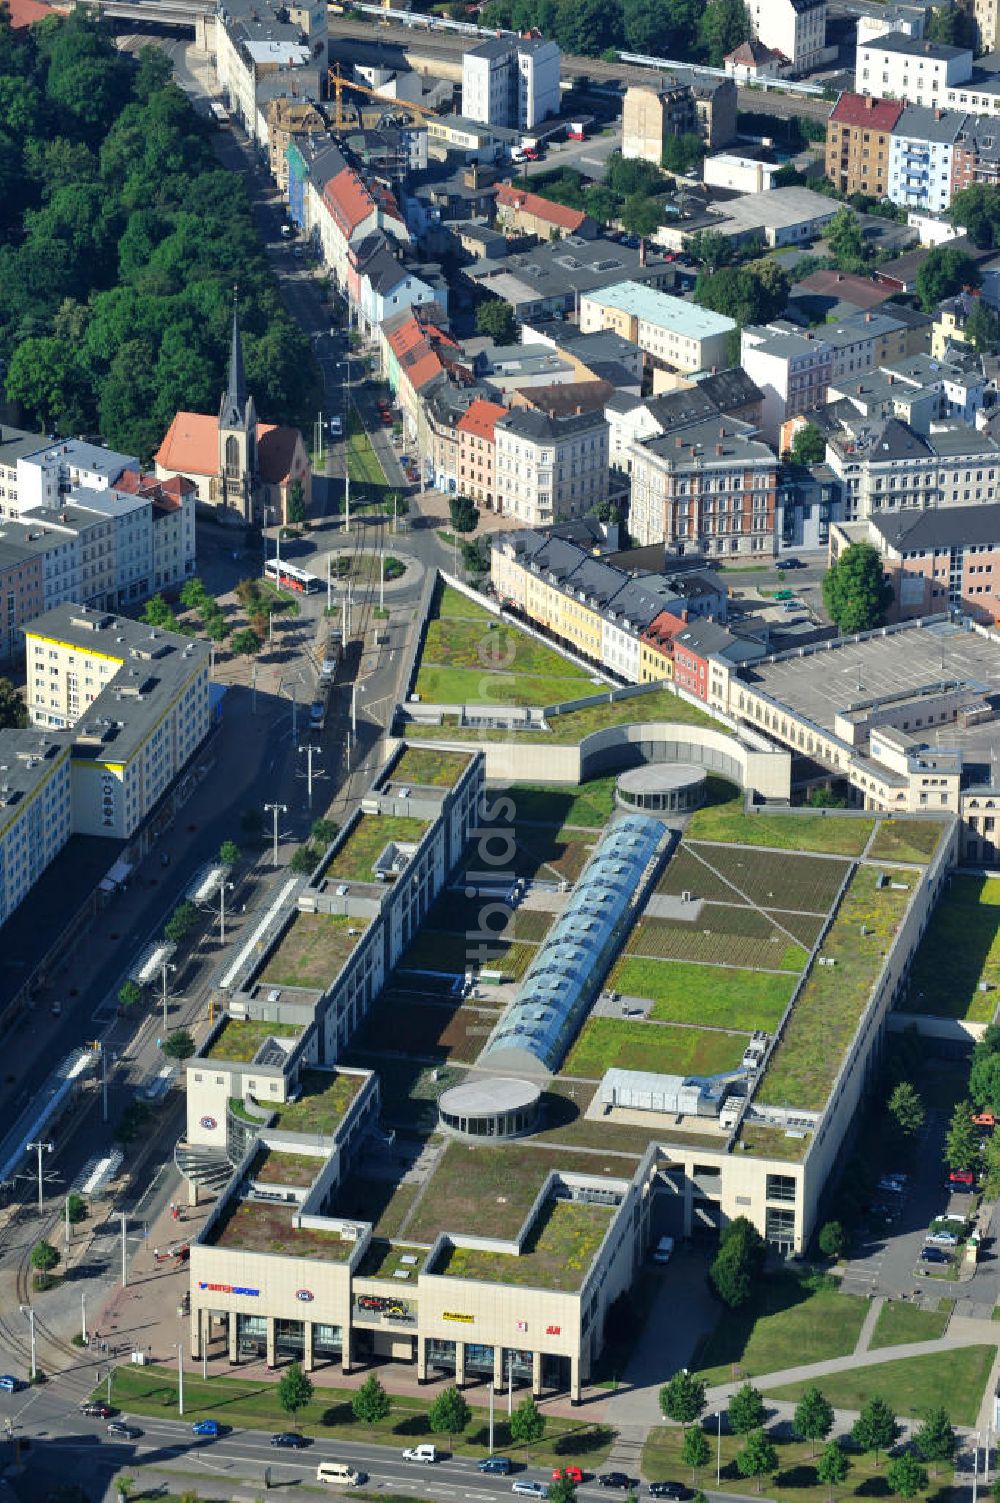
{"points": [[10, 1384], [528, 1489], [497, 1466], [568, 1474], [896, 1183], [290, 1440], [942, 1239], [122, 1431], [619, 1480], [92, 1411], [933, 1255], [209, 1427], [789, 563], [675, 1490], [336, 427], [961, 1181]]}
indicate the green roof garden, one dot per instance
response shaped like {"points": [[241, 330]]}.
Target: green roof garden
{"points": [[313, 950], [367, 839], [559, 1250], [298, 1170], [913, 840], [240, 1038], [382, 1259], [258, 1226], [323, 1104], [826, 1015], [426, 768], [571, 728]]}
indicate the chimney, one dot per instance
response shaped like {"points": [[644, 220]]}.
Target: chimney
{"points": [[840, 276], [677, 441], [892, 380], [718, 448], [868, 318], [869, 102], [938, 114], [642, 251]]}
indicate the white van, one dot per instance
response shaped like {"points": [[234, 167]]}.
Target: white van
{"points": [[337, 1474], [425, 1452]]}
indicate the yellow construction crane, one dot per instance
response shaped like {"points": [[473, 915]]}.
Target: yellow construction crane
{"points": [[338, 83]]}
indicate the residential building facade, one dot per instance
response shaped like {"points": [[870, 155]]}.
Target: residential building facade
{"points": [[897, 66], [921, 156], [511, 81], [795, 28], [858, 136], [550, 469], [477, 452], [946, 558], [792, 370], [672, 331]]}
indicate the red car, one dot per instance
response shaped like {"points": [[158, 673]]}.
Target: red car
{"points": [[531, 154], [568, 1474]]}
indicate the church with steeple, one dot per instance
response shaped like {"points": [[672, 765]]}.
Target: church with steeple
{"points": [[244, 470]]}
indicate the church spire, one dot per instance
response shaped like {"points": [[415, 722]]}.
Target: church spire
{"points": [[233, 412]]}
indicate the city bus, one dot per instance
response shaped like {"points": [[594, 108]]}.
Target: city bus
{"points": [[290, 578]]}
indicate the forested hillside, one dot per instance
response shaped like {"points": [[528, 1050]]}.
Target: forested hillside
{"points": [[121, 239]]}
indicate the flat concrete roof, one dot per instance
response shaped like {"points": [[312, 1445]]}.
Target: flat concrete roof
{"points": [[485, 1095], [819, 684]]}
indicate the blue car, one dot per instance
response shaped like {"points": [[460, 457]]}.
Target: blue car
{"points": [[207, 1427], [499, 1465], [9, 1384]]}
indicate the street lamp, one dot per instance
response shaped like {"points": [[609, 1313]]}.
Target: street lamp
{"points": [[40, 1148], [164, 968], [223, 885], [29, 1312], [277, 810]]}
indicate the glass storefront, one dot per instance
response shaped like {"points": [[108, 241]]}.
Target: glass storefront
{"points": [[441, 1355], [251, 1336], [479, 1359], [289, 1338], [328, 1341]]}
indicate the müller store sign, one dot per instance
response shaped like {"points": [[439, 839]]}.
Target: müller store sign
{"points": [[229, 1289]]}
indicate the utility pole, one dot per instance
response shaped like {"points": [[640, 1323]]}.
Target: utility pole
{"points": [[222, 908], [354, 709], [253, 687], [124, 1221], [67, 1223], [329, 584], [180, 1377], [29, 1312], [277, 810], [164, 968], [40, 1148], [381, 573], [347, 623], [310, 752], [83, 1315]]}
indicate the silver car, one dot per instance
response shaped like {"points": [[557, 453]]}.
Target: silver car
{"points": [[942, 1239]]}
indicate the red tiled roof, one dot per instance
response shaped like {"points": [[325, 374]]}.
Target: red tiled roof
{"points": [[24, 13], [845, 285], [348, 200], [191, 445], [753, 52], [420, 349], [863, 109], [166, 495], [541, 208], [481, 418], [275, 452], [663, 628]]}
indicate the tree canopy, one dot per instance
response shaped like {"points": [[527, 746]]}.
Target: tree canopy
{"points": [[945, 272], [690, 29], [121, 239], [751, 294], [976, 210], [855, 591], [738, 1262]]}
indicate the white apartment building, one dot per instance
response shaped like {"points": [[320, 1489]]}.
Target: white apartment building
{"points": [[131, 549], [510, 81], [706, 488], [550, 469], [896, 66], [255, 40], [670, 330], [35, 813], [792, 370], [886, 466], [46, 475], [795, 28], [921, 151]]}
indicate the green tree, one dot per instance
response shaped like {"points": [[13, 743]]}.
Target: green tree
{"points": [[990, 1169], [178, 1045], [527, 1424], [982, 328], [945, 272], [738, 1263], [324, 831], [808, 445], [709, 249], [855, 591], [303, 862], [683, 153], [905, 1476], [44, 1256], [371, 1404], [832, 1239], [961, 1144], [295, 1389], [832, 1467], [750, 294], [495, 319], [193, 595], [758, 1458], [180, 923], [906, 1108], [246, 643], [561, 1490], [723, 26], [129, 993], [695, 1449], [13, 714], [746, 1410], [76, 1208], [463, 513], [875, 1427], [952, 27], [846, 242], [125, 1486], [813, 1418], [976, 209], [229, 853], [682, 1398], [641, 215], [296, 503], [935, 1438], [449, 1414]]}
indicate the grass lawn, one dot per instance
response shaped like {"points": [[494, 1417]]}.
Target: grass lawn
{"points": [[313, 949], [830, 1005], [362, 462], [794, 1482], [428, 768], [326, 1096], [240, 1038], [367, 839], [476, 686], [723, 935], [789, 1323], [773, 880], [703, 993], [605, 1043], [906, 840], [842, 836], [274, 1168], [899, 1323], [428, 1031], [588, 806], [570, 728], [954, 1379], [558, 1251], [152, 1391], [449, 602], [960, 948], [497, 647]]}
